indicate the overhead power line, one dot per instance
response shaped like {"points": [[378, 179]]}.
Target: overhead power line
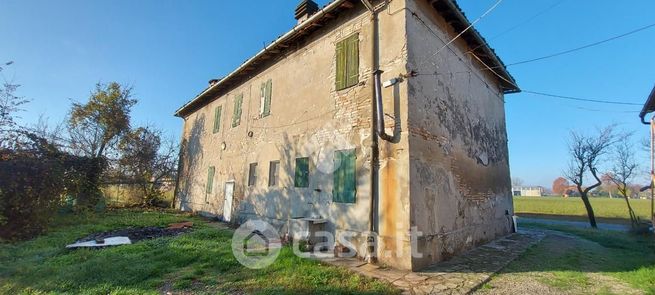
{"points": [[582, 47], [582, 99], [534, 16], [465, 30]]}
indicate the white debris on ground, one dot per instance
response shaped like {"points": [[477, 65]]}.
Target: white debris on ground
{"points": [[113, 241]]}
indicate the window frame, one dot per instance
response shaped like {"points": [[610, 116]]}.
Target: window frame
{"points": [[266, 97], [347, 62], [218, 110], [301, 174], [238, 110], [252, 174], [273, 174], [344, 189], [209, 188]]}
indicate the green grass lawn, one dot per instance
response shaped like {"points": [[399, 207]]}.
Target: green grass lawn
{"points": [[585, 262], [197, 262], [603, 207]]}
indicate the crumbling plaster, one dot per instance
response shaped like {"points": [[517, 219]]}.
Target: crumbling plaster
{"points": [[460, 190]]}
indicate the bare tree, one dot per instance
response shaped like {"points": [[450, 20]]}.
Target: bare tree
{"points": [[10, 105], [623, 172], [146, 161], [586, 152], [517, 182]]}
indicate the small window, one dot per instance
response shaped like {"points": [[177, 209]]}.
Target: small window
{"points": [[265, 103], [344, 177], [210, 181], [273, 171], [217, 118], [252, 174], [236, 116], [347, 69], [302, 172]]}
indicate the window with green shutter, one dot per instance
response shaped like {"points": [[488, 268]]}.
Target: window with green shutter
{"points": [[345, 179], [347, 69], [302, 172], [210, 180], [217, 118], [236, 115], [266, 91]]}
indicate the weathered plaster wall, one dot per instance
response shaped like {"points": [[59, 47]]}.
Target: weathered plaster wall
{"points": [[309, 119], [460, 190]]}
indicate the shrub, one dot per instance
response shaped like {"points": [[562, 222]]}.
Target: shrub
{"points": [[30, 192], [35, 181]]}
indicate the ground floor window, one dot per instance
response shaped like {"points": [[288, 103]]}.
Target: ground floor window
{"points": [[345, 179], [273, 171], [301, 178], [252, 174], [210, 181]]}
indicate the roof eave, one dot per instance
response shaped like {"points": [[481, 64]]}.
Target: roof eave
{"points": [[649, 106], [318, 15], [509, 86]]}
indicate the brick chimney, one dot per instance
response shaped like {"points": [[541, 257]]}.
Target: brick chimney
{"points": [[305, 9]]}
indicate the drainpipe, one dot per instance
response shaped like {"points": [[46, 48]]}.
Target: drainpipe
{"points": [[375, 150], [377, 131], [382, 133]]}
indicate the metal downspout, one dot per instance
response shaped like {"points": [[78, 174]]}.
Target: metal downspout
{"points": [[375, 150], [377, 131]]}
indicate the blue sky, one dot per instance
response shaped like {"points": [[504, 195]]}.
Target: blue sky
{"points": [[168, 50]]}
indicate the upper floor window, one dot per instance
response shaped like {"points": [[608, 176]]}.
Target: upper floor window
{"points": [[347, 74], [236, 115], [266, 91], [217, 118]]}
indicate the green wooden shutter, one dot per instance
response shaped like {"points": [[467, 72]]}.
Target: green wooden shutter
{"points": [[210, 179], [345, 179], [341, 65], [217, 118], [268, 90], [352, 60], [302, 172], [348, 161], [338, 178], [236, 115]]}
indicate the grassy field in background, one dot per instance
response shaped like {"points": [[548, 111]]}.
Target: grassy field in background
{"points": [[603, 207], [200, 262]]}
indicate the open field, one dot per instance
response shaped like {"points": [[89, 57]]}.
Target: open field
{"points": [[197, 262], [580, 261], [603, 207]]}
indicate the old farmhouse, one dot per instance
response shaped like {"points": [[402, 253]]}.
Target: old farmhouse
{"points": [[364, 118]]}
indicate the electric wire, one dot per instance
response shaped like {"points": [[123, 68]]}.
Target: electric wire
{"points": [[581, 99], [581, 47], [538, 14], [465, 30]]}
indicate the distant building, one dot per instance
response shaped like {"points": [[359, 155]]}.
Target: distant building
{"points": [[528, 191]]}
